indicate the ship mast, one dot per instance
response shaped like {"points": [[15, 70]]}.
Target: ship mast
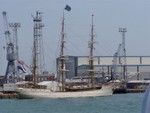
{"points": [[36, 49], [62, 59], [91, 67]]}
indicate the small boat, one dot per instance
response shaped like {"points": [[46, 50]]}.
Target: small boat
{"points": [[63, 89]]}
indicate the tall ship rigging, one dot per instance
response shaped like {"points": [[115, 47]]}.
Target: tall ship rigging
{"points": [[62, 89]]}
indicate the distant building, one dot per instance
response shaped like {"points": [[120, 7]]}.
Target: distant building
{"points": [[71, 66]]}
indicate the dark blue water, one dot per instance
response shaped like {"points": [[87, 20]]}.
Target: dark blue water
{"points": [[118, 103]]}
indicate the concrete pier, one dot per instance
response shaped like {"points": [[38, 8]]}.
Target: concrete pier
{"points": [[136, 90], [126, 90]]}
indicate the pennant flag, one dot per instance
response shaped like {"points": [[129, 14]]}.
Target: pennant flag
{"points": [[21, 66], [68, 8]]}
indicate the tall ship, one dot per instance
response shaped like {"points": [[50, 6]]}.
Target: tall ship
{"points": [[61, 88]]}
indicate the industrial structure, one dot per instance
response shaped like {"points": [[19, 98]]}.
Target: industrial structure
{"points": [[119, 66], [15, 27], [115, 61], [11, 50], [137, 66], [123, 61], [38, 51]]}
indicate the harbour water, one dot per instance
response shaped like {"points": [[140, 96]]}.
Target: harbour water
{"points": [[118, 103]]}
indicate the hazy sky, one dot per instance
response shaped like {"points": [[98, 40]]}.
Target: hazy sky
{"points": [[109, 15]]}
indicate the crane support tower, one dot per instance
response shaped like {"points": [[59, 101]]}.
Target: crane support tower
{"points": [[10, 55], [15, 27], [116, 62], [123, 31]]}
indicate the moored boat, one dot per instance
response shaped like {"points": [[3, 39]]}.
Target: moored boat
{"points": [[30, 93]]}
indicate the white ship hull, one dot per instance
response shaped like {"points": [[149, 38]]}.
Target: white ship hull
{"points": [[27, 93]]}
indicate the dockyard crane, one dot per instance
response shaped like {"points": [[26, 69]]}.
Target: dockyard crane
{"points": [[116, 61], [10, 55], [123, 60]]}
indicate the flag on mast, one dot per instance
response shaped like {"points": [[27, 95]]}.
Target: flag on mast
{"points": [[21, 66], [68, 8]]}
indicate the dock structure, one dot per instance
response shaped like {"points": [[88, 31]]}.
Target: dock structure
{"points": [[136, 90], [8, 96], [126, 90]]}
